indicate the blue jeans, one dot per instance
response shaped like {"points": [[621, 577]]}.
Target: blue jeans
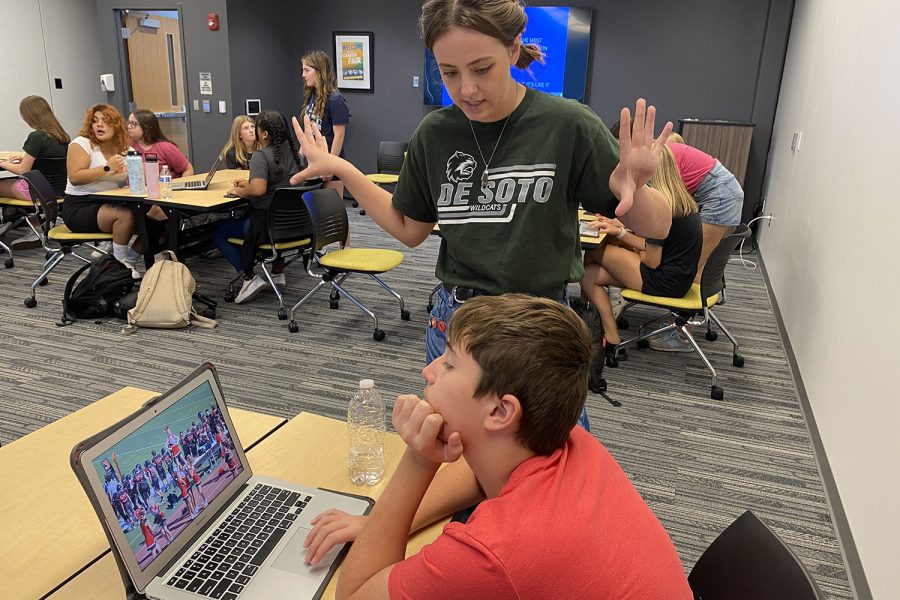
{"points": [[231, 227], [436, 335]]}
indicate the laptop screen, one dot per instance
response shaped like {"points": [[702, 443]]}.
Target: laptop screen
{"points": [[161, 476]]}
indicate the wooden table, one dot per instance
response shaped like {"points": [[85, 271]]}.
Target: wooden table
{"points": [[4, 156], [309, 449], [48, 528]]}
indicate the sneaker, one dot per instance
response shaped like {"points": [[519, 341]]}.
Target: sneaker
{"points": [[103, 248], [250, 289], [136, 265], [27, 242], [279, 280], [671, 342], [214, 253]]}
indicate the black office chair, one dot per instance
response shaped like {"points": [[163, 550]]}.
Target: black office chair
{"points": [[330, 225], [54, 171], [388, 163], [289, 238], [748, 561]]}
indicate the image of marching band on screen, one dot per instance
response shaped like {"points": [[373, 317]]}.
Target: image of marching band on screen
{"points": [[159, 478]]}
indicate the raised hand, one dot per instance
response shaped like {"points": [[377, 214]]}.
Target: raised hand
{"points": [[331, 528], [638, 153], [420, 427], [314, 146]]}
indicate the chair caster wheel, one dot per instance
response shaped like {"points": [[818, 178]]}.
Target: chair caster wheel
{"points": [[622, 323], [47, 255], [293, 327], [378, 335], [30, 302], [8, 263], [612, 362], [737, 360], [334, 304], [334, 296], [209, 313], [716, 393], [355, 204], [362, 212], [644, 344], [429, 307], [404, 314], [43, 281], [282, 314], [711, 335], [229, 296]]}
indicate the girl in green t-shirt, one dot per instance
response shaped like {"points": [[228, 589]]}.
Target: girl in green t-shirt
{"points": [[48, 140]]}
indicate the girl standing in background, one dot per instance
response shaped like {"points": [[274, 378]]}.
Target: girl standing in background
{"points": [[325, 106]]}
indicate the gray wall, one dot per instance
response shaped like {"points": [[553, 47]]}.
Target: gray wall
{"points": [[204, 50]]}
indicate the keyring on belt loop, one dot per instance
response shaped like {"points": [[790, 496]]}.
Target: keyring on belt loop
{"points": [[453, 295]]}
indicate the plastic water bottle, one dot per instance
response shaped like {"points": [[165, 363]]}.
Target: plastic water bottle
{"points": [[365, 425], [151, 166], [134, 164], [165, 183]]}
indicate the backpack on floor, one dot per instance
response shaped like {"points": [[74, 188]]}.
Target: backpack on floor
{"points": [[591, 317], [93, 296], [165, 299]]}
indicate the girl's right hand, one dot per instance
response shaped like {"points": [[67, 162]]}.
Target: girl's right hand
{"points": [[116, 163], [320, 162], [331, 528]]}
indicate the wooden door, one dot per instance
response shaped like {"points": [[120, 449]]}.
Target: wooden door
{"points": [[157, 73]]}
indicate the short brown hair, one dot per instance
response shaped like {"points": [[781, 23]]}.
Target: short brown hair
{"points": [[113, 119], [504, 20], [535, 349]]}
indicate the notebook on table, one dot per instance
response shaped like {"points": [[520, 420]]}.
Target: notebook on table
{"points": [[185, 516], [199, 184]]}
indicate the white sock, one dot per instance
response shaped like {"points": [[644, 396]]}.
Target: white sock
{"points": [[120, 251]]}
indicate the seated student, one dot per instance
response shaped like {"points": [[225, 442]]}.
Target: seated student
{"points": [[242, 143], [146, 137], [271, 167], [48, 140], [558, 518], [658, 267]]}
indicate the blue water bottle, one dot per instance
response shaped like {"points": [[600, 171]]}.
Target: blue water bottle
{"points": [[135, 167]]}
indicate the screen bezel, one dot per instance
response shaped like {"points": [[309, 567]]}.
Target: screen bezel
{"points": [[203, 374]]}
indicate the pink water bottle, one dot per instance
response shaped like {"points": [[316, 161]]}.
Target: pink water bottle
{"points": [[151, 167]]}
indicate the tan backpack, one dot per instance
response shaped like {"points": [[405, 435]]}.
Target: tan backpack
{"points": [[165, 298]]}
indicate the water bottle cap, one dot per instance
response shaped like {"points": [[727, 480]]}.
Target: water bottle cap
{"points": [[132, 152], [366, 384]]}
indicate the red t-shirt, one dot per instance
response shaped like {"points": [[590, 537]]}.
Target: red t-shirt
{"points": [[168, 154], [569, 525], [693, 164]]}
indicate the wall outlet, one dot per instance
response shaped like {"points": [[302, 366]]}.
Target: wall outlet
{"points": [[415, 81], [795, 142], [222, 108], [770, 219], [196, 104]]}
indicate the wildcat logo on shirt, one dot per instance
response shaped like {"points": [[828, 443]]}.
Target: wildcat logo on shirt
{"points": [[464, 201]]}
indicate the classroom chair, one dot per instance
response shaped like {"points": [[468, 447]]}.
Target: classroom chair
{"points": [[58, 241], [748, 561], [687, 310], [388, 162], [289, 233], [330, 225], [54, 171]]}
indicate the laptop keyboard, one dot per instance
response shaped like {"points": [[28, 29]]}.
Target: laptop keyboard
{"points": [[188, 185], [230, 556]]}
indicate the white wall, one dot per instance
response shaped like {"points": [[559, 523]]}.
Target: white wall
{"points": [[43, 40], [831, 253]]}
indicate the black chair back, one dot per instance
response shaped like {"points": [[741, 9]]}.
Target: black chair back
{"points": [[390, 157], [289, 218], [43, 195], [712, 281], [748, 562], [329, 217], [54, 169]]}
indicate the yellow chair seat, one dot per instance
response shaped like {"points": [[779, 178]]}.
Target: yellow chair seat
{"points": [[362, 260], [690, 301], [62, 233], [383, 178], [16, 202], [279, 246]]}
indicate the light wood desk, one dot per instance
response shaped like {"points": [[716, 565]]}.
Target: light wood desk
{"points": [[5, 155], [48, 528], [309, 449]]}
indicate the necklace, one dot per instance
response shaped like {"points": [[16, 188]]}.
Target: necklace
{"points": [[487, 163]]}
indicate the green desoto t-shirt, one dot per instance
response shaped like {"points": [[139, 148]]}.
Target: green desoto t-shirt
{"points": [[520, 233]]}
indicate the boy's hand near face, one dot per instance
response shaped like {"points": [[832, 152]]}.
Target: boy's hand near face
{"points": [[421, 427]]}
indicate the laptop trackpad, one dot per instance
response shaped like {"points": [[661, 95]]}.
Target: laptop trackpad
{"points": [[293, 556]]}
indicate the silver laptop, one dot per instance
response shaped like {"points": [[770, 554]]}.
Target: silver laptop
{"points": [[186, 517], [199, 185]]}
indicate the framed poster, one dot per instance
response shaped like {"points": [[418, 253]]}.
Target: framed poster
{"points": [[354, 60]]}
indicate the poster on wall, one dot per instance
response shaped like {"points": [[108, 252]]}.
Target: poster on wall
{"points": [[353, 60]]}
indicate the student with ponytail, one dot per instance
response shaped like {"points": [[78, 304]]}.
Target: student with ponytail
{"points": [[271, 167]]}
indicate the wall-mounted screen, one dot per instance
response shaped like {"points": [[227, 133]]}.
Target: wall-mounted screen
{"points": [[564, 35]]}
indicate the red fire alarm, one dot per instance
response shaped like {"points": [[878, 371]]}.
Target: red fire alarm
{"points": [[212, 21]]}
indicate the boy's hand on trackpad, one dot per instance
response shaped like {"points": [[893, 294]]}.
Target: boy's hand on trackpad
{"points": [[331, 528]]}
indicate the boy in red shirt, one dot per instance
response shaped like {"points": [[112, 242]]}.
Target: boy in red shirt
{"points": [[558, 517]]}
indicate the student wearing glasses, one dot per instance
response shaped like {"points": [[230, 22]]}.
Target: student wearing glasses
{"points": [[145, 136]]}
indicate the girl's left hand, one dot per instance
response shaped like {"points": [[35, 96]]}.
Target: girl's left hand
{"points": [[638, 153]]}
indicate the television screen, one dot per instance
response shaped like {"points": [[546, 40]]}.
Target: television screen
{"points": [[562, 32]]}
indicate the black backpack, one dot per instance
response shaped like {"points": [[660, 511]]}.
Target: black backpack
{"points": [[93, 296]]}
